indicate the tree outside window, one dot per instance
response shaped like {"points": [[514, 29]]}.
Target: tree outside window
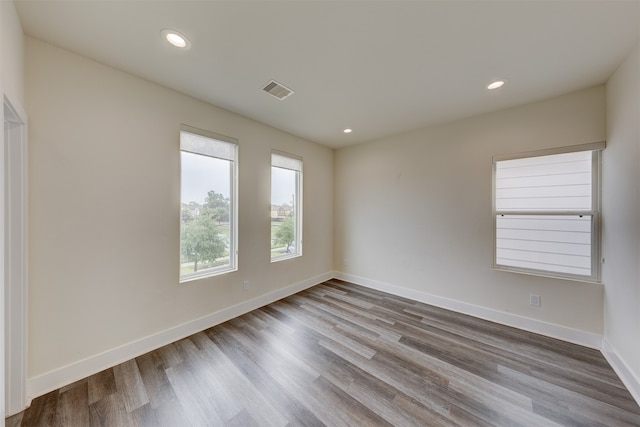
{"points": [[207, 215], [286, 206]]}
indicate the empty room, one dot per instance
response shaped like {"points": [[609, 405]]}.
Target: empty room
{"points": [[338, 213]]}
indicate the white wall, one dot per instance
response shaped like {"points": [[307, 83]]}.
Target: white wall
{"points": [[414, 212], [12, 48], [621, 217], [104, 211]]}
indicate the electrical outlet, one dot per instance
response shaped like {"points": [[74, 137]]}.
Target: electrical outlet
{"points": [[245, 285], [535, 300]]}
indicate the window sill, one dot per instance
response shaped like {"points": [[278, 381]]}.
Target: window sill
{"points": [[547, 274], [285, 257], [206, 273]]}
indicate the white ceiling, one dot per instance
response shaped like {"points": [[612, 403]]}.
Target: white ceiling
{"points": [[379, 67]]}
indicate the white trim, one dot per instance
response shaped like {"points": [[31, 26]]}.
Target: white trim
{"points": [[206, 144], [2, 282], [14, 194], [279, 159], [209, 134], [44, 383], [564, 333], [628, 378], [596, 206], [543, 273], [53, 380], [587, 339], [593, 146]]}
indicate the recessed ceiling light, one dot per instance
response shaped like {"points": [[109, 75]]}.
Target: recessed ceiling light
{"points": [[496, 84], [347, 130], [176, 39]]}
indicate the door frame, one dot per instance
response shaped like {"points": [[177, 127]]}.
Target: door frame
{"points": [[14, 212]]}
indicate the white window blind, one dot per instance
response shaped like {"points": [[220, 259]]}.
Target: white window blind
{"points": [[212, 147], [559, 182], [559, 244], [546, 214], [286, 162]]}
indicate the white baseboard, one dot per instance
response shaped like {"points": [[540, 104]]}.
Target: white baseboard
{"points": [[55, 379], [628, 378], [564, 333], [41, 384], [587, 339]]}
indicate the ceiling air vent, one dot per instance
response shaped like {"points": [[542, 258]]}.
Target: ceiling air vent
{"points": [[276, 89]]}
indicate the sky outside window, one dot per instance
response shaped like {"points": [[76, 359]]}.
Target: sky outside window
{"points": [[283, 186], [201, 174]]}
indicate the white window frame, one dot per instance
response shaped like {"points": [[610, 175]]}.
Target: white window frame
{"points": [[596, 148], [233, 202], [284, 160]]}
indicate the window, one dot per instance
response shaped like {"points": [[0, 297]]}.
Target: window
{"points": [[286, 206], [546, 207], [208, 232]]}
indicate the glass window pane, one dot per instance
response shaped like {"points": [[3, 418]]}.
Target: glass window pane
{"points": [[285, 213], [206, 216]]}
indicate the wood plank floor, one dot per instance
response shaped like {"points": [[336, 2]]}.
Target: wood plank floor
{"points": [[343, 355]]}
